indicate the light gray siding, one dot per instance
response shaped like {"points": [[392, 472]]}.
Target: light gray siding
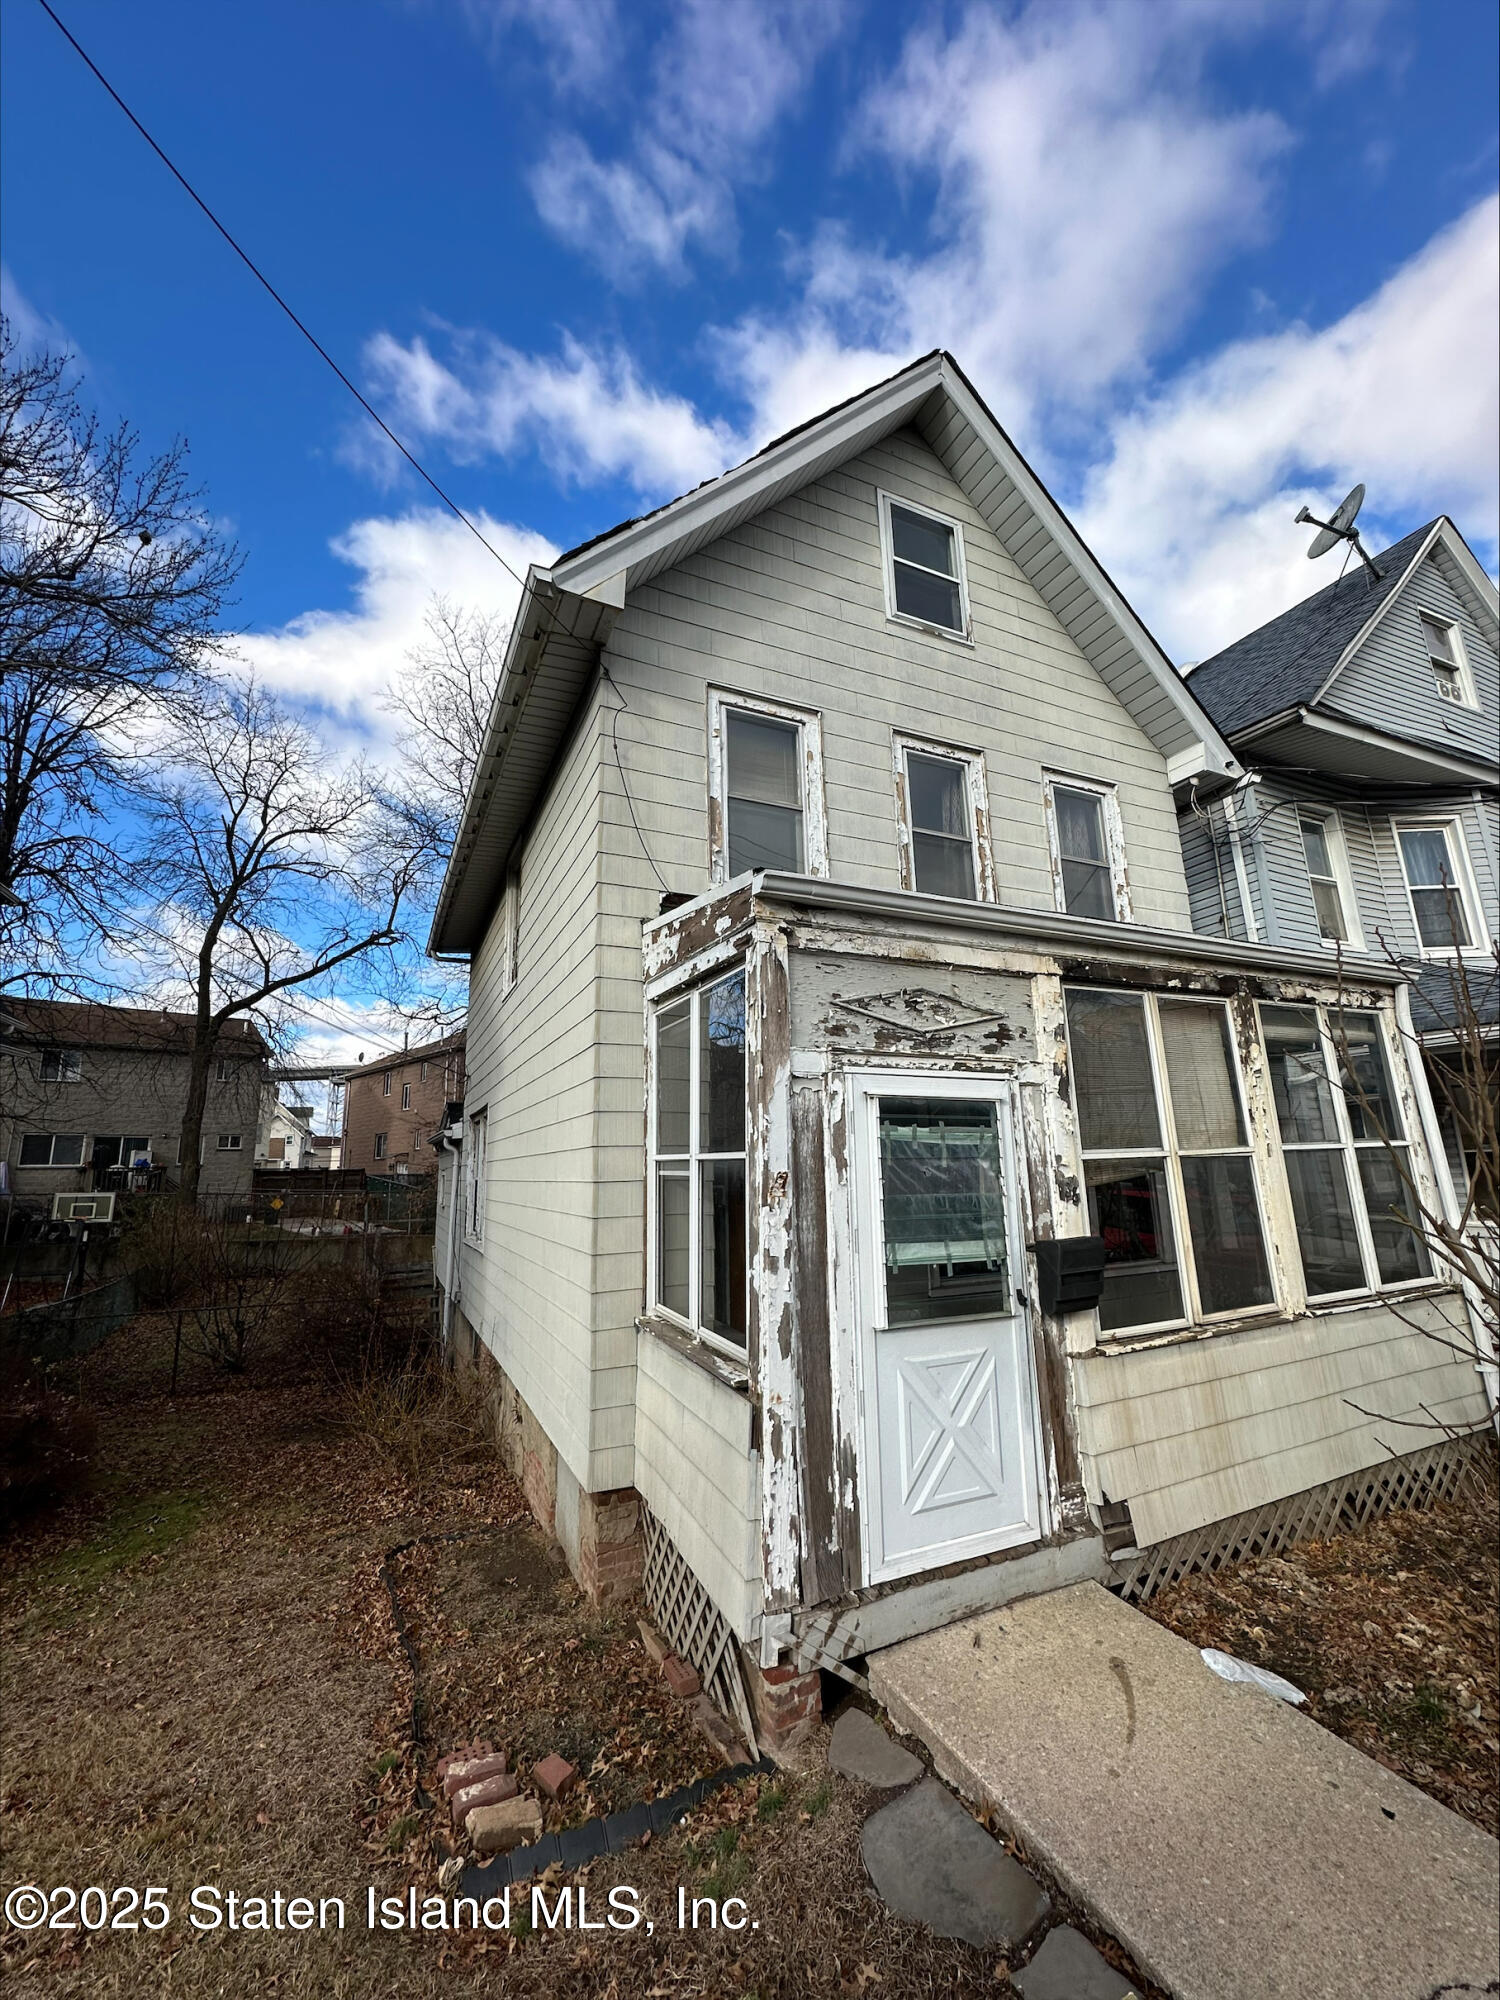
{"points": [[697, 1472], [1389, 684], [1192, 1433]]}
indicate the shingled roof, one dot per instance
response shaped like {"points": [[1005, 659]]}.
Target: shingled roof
{"points": [[1283, 664], [84, 1024]]}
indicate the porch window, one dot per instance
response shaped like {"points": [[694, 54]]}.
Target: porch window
{"points": [[1443, 905], [1167, 1163], [1346, 1151], [1088, 849], [699, 1238], [924, 567], [943, 801]]}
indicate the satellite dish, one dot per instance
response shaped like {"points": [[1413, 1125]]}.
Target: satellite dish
{"points": [[1339, 527]]}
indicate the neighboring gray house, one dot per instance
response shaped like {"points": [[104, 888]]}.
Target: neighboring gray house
{"points": [[835, 1005], [85, 1089], [1370, 717]]}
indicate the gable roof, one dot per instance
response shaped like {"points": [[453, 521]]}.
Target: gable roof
{"points": [[566, 612], [1293, 661]]}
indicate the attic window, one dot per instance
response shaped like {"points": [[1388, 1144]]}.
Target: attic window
{"points": [[924, 567], [1450, 669]]}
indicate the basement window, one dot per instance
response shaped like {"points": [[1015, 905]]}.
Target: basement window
{"points": [[697, 1236], [1171, 1181], [925, 582]]}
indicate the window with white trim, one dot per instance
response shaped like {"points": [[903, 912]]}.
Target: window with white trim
{"points": [[1328, 874], [698, 1233], [944, 821], [380, 1144], [230, 1142], [1444, 906], [474, 1182], [406, 1097], [1346, 1151], [925, 580], [1171, 1180], [51, 1149], [1449, 662], [385, 1084], [510, 944], [765, 775], [221, 1070], [1087, 844], [62, 1065]]}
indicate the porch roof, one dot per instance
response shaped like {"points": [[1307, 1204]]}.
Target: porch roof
{"points": [[1059, 935]]}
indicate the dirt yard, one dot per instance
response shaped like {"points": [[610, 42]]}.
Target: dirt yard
{"points": [[202, 1684], [1391, 1631]]}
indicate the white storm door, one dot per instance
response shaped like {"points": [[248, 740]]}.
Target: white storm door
{"points": [[950, 1421]]}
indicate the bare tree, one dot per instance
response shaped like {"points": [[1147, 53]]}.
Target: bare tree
{"points": [[444, 700], [268, 867], [112, 583]]}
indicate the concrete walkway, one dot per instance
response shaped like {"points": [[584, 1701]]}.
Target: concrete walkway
{"points": [[1234, 1846]]}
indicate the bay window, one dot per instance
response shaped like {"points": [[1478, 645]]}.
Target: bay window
{"points": [[1346, 1150], [698, 1235], [1168, 1171]]}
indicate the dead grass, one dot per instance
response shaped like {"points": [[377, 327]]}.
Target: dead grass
{"points": [[1393, 1633], [201, 1684]]}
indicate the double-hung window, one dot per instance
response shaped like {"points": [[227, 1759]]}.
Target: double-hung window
{"points": [[62, 1065], [1348, 1160], [230, 1142], [1445, 652], [1327, 871], [924, 567], [766, 787], [944, 808], [474, 1177], [698, 1234], [1444, 906], [52, 1149], [406, 1097], [1088, 847], [1167, 1163], [385, 1084]]}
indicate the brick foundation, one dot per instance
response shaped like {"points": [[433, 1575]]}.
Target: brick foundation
{"points": [[600, 1533], [787, 1705]]}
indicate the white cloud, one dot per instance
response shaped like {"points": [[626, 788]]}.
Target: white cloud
{"points": [[340, 661], [1192, 512], [579, 39], [721, 77], [588, 415], [32, 329]]}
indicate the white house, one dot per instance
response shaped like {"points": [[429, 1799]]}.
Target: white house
{"points": [[873, 1197]]}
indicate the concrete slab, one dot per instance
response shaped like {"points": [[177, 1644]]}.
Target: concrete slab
{"points": [[1231, 1844], [932, 1863], [859, 1748]]}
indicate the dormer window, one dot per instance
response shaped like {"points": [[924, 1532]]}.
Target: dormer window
{"points": [[924, 568], [1450, 668]]}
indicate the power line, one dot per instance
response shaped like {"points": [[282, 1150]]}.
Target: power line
{"points": [[248, 261]]}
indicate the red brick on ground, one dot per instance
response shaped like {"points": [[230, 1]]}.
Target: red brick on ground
{"points": [[491, 1791], [556, 1776], [472, 1771], [680, 1677]]}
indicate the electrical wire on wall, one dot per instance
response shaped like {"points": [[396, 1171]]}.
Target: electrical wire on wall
{"points": [[614, 740]]}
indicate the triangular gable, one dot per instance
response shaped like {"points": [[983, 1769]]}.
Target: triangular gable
{"points": [[1461, 568], [566, 612]]}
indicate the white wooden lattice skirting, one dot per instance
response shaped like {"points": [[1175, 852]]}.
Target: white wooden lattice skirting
{"points": [[1438, 1472], [693, 1626]]}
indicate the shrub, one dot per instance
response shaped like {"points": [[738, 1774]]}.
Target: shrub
{"points": [[46, 1442]]}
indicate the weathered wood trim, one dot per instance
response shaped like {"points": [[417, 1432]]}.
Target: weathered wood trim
{"points": [[827, 1637], [843, 1328], [772, 1266], [822, 1576]]}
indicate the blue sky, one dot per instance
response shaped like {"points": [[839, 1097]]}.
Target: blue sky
{"points": [[1204, 260]]}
